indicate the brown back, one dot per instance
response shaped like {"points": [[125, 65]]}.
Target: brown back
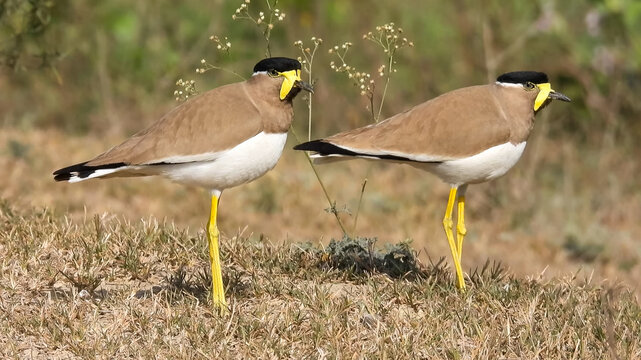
{"points": [[214, 121], [456, 124]]}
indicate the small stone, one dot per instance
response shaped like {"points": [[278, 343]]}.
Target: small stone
{"points": [[84, 294]]}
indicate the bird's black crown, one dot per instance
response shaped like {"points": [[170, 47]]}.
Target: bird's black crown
{"points": [[523, 77], [280, 64]]}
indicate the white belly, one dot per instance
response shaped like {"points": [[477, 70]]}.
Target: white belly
{"points": [[245, 162], [484, 166]]}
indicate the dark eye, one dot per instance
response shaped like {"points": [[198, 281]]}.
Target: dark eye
{"points": [[272, 72], [529, 85]]}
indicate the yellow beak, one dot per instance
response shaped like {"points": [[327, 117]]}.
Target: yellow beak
{"points": [[291, 77], [544, 91]]}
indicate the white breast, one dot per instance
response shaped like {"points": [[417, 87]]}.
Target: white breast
{"points": [[484, 166], [243, 163]]}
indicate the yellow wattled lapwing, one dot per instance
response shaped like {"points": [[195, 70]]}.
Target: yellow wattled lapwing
{"points": [[466, 136], [223, 138]]}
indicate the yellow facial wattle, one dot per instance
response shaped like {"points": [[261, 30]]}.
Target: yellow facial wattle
{"points": [[544, 91], [290, 78]]}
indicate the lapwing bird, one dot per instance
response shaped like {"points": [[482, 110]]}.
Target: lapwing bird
{"points": [[223, 138], [466, 136]]}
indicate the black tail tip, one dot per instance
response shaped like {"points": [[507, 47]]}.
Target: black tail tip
{"points": [[313, 145], [61, 176], [324, 148], [64, 174]]}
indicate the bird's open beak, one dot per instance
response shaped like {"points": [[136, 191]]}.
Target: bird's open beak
{"points": [[303, 85], [558, 96]]}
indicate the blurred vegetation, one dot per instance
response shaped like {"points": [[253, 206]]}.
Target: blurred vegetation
{"points": [[102, 66], [24, 29]]}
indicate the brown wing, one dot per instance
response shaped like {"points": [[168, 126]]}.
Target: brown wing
{"points": [[456, 124], [214, 121]]}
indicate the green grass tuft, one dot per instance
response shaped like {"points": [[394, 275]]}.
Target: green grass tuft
{"points": [[359, 255]]}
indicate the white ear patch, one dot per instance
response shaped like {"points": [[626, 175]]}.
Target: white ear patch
{"points": [[512, 85]]}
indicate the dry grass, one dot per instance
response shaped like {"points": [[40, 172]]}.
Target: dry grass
{"points": [[74, 285], [554, 214], [104, 288]]}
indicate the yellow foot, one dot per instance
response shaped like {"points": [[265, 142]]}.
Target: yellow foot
{"points": [[220, 304]]}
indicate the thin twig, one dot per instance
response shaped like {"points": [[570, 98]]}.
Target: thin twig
{"points": [[214, 67], [389, 74], [332, 205], [358, 208], [310, 62], [268, 28]]}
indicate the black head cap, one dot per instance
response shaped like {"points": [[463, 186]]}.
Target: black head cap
{"points": [[279, 64], [523, 77]]}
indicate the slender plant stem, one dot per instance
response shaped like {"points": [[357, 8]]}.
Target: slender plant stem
{"points": [[310, 62], [332, 205], [371, 106], [389, 74], [268, 29], [358, 208], [309, 117], [214, 67]]}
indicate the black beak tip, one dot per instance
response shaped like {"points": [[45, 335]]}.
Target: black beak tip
{"points": [[559, 96], [304, 86]]}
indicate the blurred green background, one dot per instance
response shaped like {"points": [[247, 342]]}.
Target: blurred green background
{"points": [[83, 66]]}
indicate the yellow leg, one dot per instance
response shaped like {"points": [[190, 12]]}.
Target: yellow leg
{"points": [[218, 290], [460, 227], [448, 224]]}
